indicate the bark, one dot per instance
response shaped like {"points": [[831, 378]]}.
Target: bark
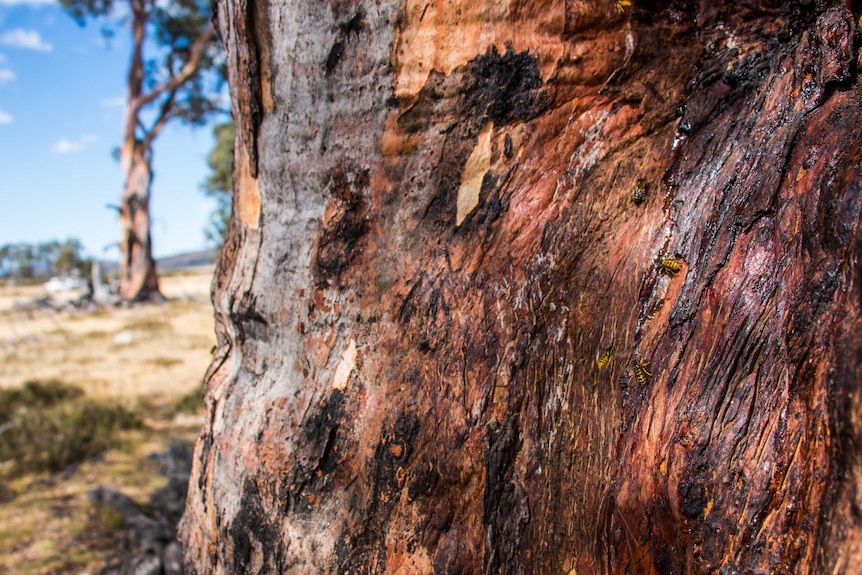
{"points": [[138, 277], [434, 241]]}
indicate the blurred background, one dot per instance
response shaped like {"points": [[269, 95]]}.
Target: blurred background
{"points": [[100, 385]]}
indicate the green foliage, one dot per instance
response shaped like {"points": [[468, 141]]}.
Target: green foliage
{"points": [[69, 258], [179, 21], [175, 27], [30, 261], [80, 10], [18, 260], [220, 182], [49, 426], [171, 29]]}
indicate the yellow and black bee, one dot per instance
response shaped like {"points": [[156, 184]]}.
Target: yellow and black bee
{"points": [[621, 5], [641, 374], [669, 266], [603, 360], [639, 192]]}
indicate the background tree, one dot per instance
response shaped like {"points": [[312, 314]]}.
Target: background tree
{"points": [[69, 257], [172, 84], [219, 183], [20, 261], [42, 260], [447, 212]]}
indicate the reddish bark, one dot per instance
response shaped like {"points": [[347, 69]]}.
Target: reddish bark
{"points": [[406, 378]]}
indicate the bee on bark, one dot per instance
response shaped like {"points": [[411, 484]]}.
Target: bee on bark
{"points": [[641, 373], [639, 192], [669, 266], [603, 360]]}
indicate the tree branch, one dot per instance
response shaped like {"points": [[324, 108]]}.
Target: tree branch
{"points": [[187, 71], [167, 105], [140, 124], [136, 67], [162, 119]]}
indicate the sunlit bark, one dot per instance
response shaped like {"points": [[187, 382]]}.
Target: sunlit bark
{"points": [[446, 213]]}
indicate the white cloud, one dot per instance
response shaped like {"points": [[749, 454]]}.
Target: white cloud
{"points": [[29, 2], [115, 102], [29, 39], [64, 146], [5, 118], [67, 147], [6, 75]]}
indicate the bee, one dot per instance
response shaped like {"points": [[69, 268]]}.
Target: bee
{"points": [[641, 374], [621, 5], [639, 192], [606, 357], [669, 266]]}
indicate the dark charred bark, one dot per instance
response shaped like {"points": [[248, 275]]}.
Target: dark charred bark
{"points": [[435, 240]]}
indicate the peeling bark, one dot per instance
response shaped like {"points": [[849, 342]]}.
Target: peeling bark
{"points": [[436, 240]]}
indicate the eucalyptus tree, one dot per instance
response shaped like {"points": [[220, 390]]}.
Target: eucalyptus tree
{"points": [[537, 287], [173, 48]]}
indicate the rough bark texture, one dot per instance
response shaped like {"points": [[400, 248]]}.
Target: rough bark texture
{"points": [[434, 241]]}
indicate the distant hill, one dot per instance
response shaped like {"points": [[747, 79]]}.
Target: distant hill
{"points": [[187, 260], [171, 263]]}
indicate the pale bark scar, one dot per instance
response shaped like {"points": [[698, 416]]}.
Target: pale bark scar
{"points": [[248, 192], [345, 367], [475, 169]]}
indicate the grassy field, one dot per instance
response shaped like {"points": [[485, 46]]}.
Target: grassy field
{"points": [[141, 362]]}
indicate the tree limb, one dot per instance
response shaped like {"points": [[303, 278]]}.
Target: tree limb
{"points": [[136, 68], [162, 119], [187, 71]]}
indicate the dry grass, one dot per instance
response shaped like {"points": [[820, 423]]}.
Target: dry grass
{"points": [[98, 352], [147, 358]]}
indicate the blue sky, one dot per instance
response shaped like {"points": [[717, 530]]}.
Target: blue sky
{"points": [[61, 106]]}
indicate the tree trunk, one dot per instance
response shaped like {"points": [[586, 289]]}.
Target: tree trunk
{"points": [[446, 213], [138, 278]]}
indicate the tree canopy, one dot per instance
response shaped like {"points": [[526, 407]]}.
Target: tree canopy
{"points": [[180, 80]]}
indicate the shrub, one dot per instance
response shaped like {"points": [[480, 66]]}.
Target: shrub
{"points": [[35, 394], [49, 426], [192, 402]]}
